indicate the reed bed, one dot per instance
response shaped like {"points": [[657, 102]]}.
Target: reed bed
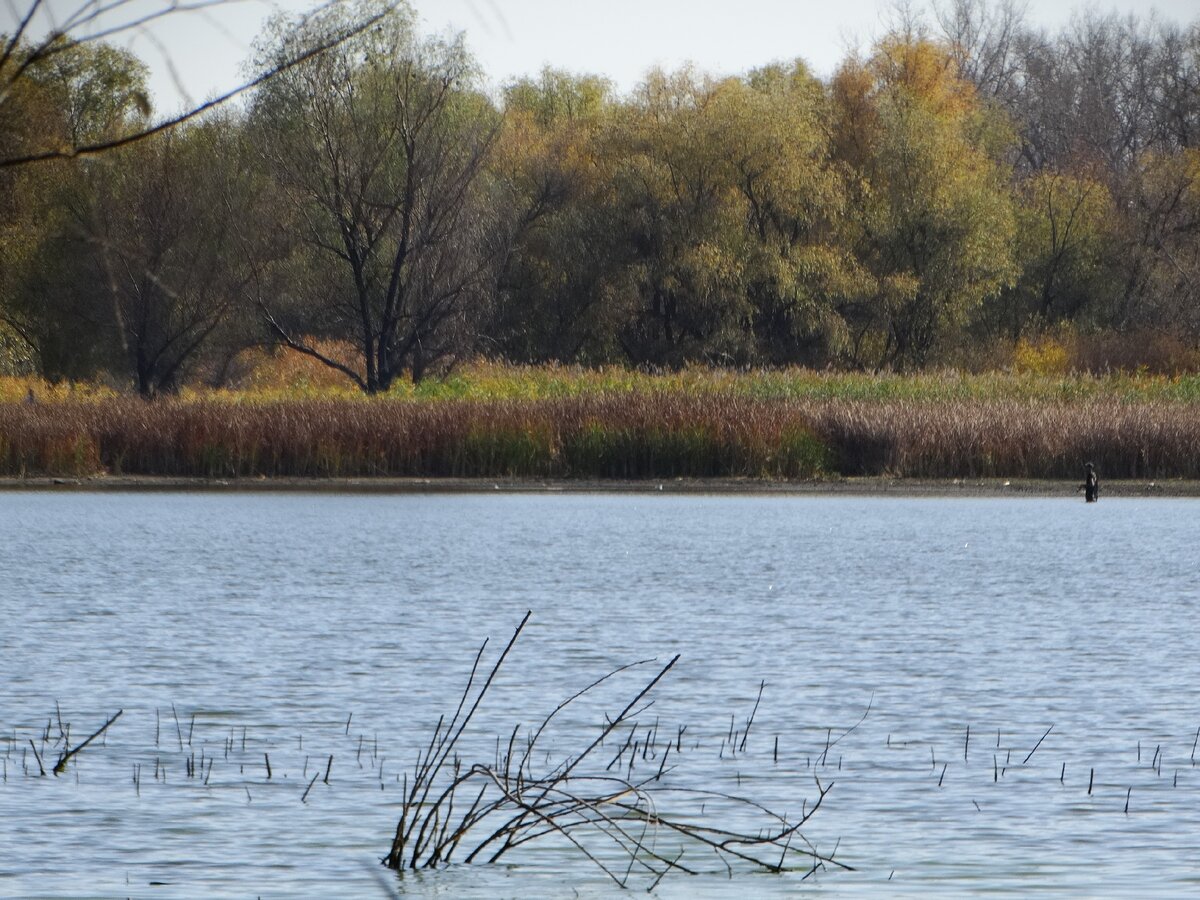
{"points": [[635, 435], [491, 381], [487, 381], [640, 436], [277, 380], [1010, 438]]}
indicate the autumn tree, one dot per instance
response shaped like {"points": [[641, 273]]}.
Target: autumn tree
{"points": [[48, 291], [1063, 262], [41, 35], [776, 142], [122, 263], [556, 291], [1156, 246], [26, 113], [930, 219], [1062, 246], [725, 190], [683, 239], [63, 88]]}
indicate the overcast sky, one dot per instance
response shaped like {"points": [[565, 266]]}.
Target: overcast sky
{"points": [[620, 39]]}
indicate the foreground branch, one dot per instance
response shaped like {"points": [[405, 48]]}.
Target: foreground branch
{"points": [[60, 38], [626, 827]]}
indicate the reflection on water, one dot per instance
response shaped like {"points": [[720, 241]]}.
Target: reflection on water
{"points": [[274, 619]]}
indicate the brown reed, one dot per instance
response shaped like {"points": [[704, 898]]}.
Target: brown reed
{"points": [[638, 435]]}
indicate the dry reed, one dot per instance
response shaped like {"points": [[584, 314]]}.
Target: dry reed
{"points": [[634, 435]]}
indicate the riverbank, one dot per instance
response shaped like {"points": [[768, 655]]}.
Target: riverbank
{"points": [[867, 486]]}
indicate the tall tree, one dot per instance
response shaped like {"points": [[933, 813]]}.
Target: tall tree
{"points": [[985, 38], [164, 232], [776, 142], [1063, 253], [1156, 245], [88, 92], [556, 297], [685, 237], [930, 217], [727, 194], [379, 144]]}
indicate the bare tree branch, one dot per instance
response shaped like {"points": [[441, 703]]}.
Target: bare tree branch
{"points": [[47, 49]]}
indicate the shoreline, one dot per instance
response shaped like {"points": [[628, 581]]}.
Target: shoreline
{"points": [[865, 486]]}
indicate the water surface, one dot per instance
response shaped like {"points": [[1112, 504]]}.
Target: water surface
{"points": [[273, 618]]}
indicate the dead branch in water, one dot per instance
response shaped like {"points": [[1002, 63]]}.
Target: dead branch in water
{"points": [[628, 828], [68, 752]]}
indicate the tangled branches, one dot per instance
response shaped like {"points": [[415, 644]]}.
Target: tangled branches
{"points": [[630, 828]]}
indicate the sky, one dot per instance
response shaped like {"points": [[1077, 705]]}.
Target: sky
{"points": [[199, 54]]}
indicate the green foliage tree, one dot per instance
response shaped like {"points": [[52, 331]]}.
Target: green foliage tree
{"points": [[50, 295], [726, 190], [1062, 245], [555, 297], [673, 200], [377, 146], [776, 142]]}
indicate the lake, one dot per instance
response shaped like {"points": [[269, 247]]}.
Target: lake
{"points": [[237, 631]]}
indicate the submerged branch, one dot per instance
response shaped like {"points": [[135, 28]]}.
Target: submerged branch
{"points": [[61, 765], [616, 823]]}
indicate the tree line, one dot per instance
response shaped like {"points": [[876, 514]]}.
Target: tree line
{"points": [[970, 182]]}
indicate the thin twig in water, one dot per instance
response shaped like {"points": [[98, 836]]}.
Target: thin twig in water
{"points": [[1035, 746], [67, 753]]}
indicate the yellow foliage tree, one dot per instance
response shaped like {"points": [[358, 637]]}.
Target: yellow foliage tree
{"points": [[929, 215]]}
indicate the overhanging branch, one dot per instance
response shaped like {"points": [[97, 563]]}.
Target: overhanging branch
{"points": [[99, 147]]}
